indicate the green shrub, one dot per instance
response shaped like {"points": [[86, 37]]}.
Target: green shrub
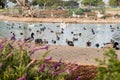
{"points": [[16, 63], [109, 67]]}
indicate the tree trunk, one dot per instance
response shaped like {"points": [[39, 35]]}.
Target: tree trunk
{"points": [[44, 7], [26, 10]]}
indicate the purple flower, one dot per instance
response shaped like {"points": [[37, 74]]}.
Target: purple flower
{"points": [[46, 47], [23, 78], [55, 73], [27, 45], [2, 45], [25, 40], [42, 68], [58, 64], [1, 65], [48, 59], [78, 78], [33, 51]]}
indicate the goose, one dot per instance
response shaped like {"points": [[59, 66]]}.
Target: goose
{"points": [[99, 15]]}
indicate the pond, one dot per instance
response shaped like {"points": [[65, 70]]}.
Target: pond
{"points": [[60, 32]]}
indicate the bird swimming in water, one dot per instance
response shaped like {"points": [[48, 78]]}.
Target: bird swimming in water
{"points": [[13, 36], [31, 38]]}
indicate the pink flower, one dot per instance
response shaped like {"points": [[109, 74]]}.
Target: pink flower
{"points": [[42, 68]]}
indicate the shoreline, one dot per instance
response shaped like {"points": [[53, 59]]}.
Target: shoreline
{"points": [[59, 20]]}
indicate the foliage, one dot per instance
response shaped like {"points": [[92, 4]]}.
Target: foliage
{"points": [[16, 63], [92, 2], [114, 2], [109, 67], [46, 2], [78, 11]]}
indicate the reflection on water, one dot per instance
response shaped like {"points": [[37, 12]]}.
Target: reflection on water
{"points": [[78, 33]]}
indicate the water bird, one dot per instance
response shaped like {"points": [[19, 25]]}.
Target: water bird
{"points": [[51, 31], [71, 32], [53, 41], [99, 15], [31, 25], [58, 26], [13, 36], [40, 24], [93, 31], [58, 38], [75, 39], [12, 27], [76, 34], [31, 38], [63, 25], [80, 34], [110, 25], [115, 45], [30, 29], [88, 43], [84, 28], [19, 26], [21, 33], [38, 41], [97, 45], [74, 15], [70, 43], [117, 27], [45, 41], [62, 32]]}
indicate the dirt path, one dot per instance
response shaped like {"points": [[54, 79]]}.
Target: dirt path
{"points": [[82, 56], [68, 20]]}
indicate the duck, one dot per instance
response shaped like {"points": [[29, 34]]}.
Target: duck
{"points": [[31, 38], [70, 43]]}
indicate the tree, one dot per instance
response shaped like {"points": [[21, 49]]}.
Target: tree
{"points": [[45, 3], [2, 3], [27, 10], [114, 2], [93, 2]]}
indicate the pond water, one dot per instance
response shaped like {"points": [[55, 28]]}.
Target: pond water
{"points": [[95, 33]]}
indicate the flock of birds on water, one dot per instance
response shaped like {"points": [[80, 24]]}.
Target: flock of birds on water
{"points": [[61, 27]]}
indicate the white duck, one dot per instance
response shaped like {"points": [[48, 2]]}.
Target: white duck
{"points": [[99, 15]]}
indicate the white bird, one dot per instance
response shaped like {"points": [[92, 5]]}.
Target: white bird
{"points": [[63, 25], [99, 15]]}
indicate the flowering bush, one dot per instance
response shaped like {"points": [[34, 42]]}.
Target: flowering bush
{"points": [[16, 63], [109, 67]]}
